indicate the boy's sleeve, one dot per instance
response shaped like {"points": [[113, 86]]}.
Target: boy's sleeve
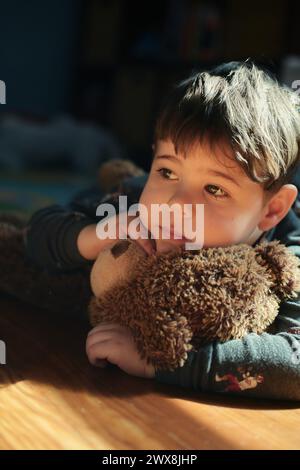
{"points": [[266, 365], [51, 238], [51, 233]]}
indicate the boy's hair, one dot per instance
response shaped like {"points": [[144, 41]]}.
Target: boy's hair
{"points": [[242, 103]]}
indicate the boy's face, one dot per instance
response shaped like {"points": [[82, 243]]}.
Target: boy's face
{"points": [[233, 203]]}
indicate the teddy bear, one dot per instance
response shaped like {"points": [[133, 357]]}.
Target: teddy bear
{"points": [[176, 302], [172, 302]]}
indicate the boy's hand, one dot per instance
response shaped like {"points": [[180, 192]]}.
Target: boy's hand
{"points": [[146, 243], [114, 343], [89, 245]]}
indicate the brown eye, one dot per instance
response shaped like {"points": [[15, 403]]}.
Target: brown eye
{"points": [[166, 173], [214, 191]]}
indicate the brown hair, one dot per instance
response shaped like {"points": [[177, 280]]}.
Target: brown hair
{"points": [[242, 103]]}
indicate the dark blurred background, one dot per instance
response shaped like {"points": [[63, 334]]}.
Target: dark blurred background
{"points": [[85, 78]]}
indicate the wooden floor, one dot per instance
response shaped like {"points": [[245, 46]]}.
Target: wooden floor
{"points": [[51, 398]]}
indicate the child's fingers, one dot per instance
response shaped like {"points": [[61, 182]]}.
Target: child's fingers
{"points": [[104, 327], [108, 333], [98, 337], [137, 233], [100, 352], [144, 240], [101, 363], [146, 245], [95, 353]]}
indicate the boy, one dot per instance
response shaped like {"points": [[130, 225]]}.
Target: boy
{"points": [[228, 139]]}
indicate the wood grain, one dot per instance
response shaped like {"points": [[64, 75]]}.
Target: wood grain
{"points": [[52, 398]]}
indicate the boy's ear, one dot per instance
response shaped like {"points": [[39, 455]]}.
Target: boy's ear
{"points": [[278, 206]]}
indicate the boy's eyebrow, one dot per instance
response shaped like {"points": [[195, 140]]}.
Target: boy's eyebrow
{"points": [[224, 175], [212, 172], [169, 157]]}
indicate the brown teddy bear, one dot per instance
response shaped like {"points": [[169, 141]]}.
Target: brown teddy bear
{"points": [[174, 302]]}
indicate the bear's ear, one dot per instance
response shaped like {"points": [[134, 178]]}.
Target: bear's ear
{"points": [[282, 266]]}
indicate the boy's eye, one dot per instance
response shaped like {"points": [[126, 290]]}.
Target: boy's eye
{"points": [[167, 174], [214, 190]]}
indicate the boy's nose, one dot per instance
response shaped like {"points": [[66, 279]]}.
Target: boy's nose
{"points": [[186, 198]]}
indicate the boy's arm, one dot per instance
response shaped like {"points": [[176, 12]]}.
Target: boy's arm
{"points": [[266, 365], [51, 238], [52, 233], [64, 238]]}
